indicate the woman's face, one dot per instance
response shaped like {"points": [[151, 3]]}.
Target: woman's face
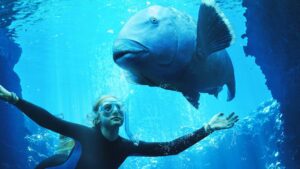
{"points": [[111, 113]]}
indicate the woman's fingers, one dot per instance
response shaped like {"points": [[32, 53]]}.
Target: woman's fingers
{"points": [[230, 116], [1, 91], [1, 88], [233, 120], [219, 115], [236, 120]]}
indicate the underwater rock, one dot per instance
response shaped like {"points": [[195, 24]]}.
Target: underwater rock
{"points": [[12, 127], [253, 142], [273, 32]]}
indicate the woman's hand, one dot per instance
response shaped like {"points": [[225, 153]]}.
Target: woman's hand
{"points": [[5, 94], [218, 122]]}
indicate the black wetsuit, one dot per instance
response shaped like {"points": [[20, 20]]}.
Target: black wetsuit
{"points": [[100, 153]]}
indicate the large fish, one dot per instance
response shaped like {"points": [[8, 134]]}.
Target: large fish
{"points": [[163, 47]]}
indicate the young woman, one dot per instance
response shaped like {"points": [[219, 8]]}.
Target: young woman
{"points": [[101, 147]]}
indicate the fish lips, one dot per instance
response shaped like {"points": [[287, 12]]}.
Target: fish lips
{"points": [[124, 49]]}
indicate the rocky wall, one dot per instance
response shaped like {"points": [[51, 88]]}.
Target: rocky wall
{"points": [[13, 150], [273, 32]]}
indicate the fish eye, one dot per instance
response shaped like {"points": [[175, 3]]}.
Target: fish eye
{"points": [[153, 20]]}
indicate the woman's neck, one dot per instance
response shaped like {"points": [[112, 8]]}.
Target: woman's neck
{"points": [[110, 134]]}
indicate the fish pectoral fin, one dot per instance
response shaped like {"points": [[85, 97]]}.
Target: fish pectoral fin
{"points": [[230, 81], [193, 98], [213, 31], [231, 89]]}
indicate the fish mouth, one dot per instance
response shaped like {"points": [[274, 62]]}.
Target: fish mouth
{"points": [[126, 48]]}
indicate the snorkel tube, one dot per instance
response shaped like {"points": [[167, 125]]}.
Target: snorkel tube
{"points": [[129, 134]]}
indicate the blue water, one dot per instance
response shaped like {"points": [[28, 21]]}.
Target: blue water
{"points": [[66, 64]]}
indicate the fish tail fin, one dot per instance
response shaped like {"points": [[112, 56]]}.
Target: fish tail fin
{"points": [[213, 30]]}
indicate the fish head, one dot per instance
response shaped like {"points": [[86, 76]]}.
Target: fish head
{"points": [[151, 44]]}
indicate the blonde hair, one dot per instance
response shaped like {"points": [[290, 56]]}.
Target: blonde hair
{"points": [[99, 102]]}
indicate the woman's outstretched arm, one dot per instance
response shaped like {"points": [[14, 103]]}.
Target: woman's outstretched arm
{"points": [[180, 144], [42, 117]]}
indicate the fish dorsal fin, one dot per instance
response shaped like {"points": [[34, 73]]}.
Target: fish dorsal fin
{"points": [[213, 31], [193, 98]]}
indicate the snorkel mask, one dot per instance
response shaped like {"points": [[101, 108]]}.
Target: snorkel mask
{"points": [[108, 107]]}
